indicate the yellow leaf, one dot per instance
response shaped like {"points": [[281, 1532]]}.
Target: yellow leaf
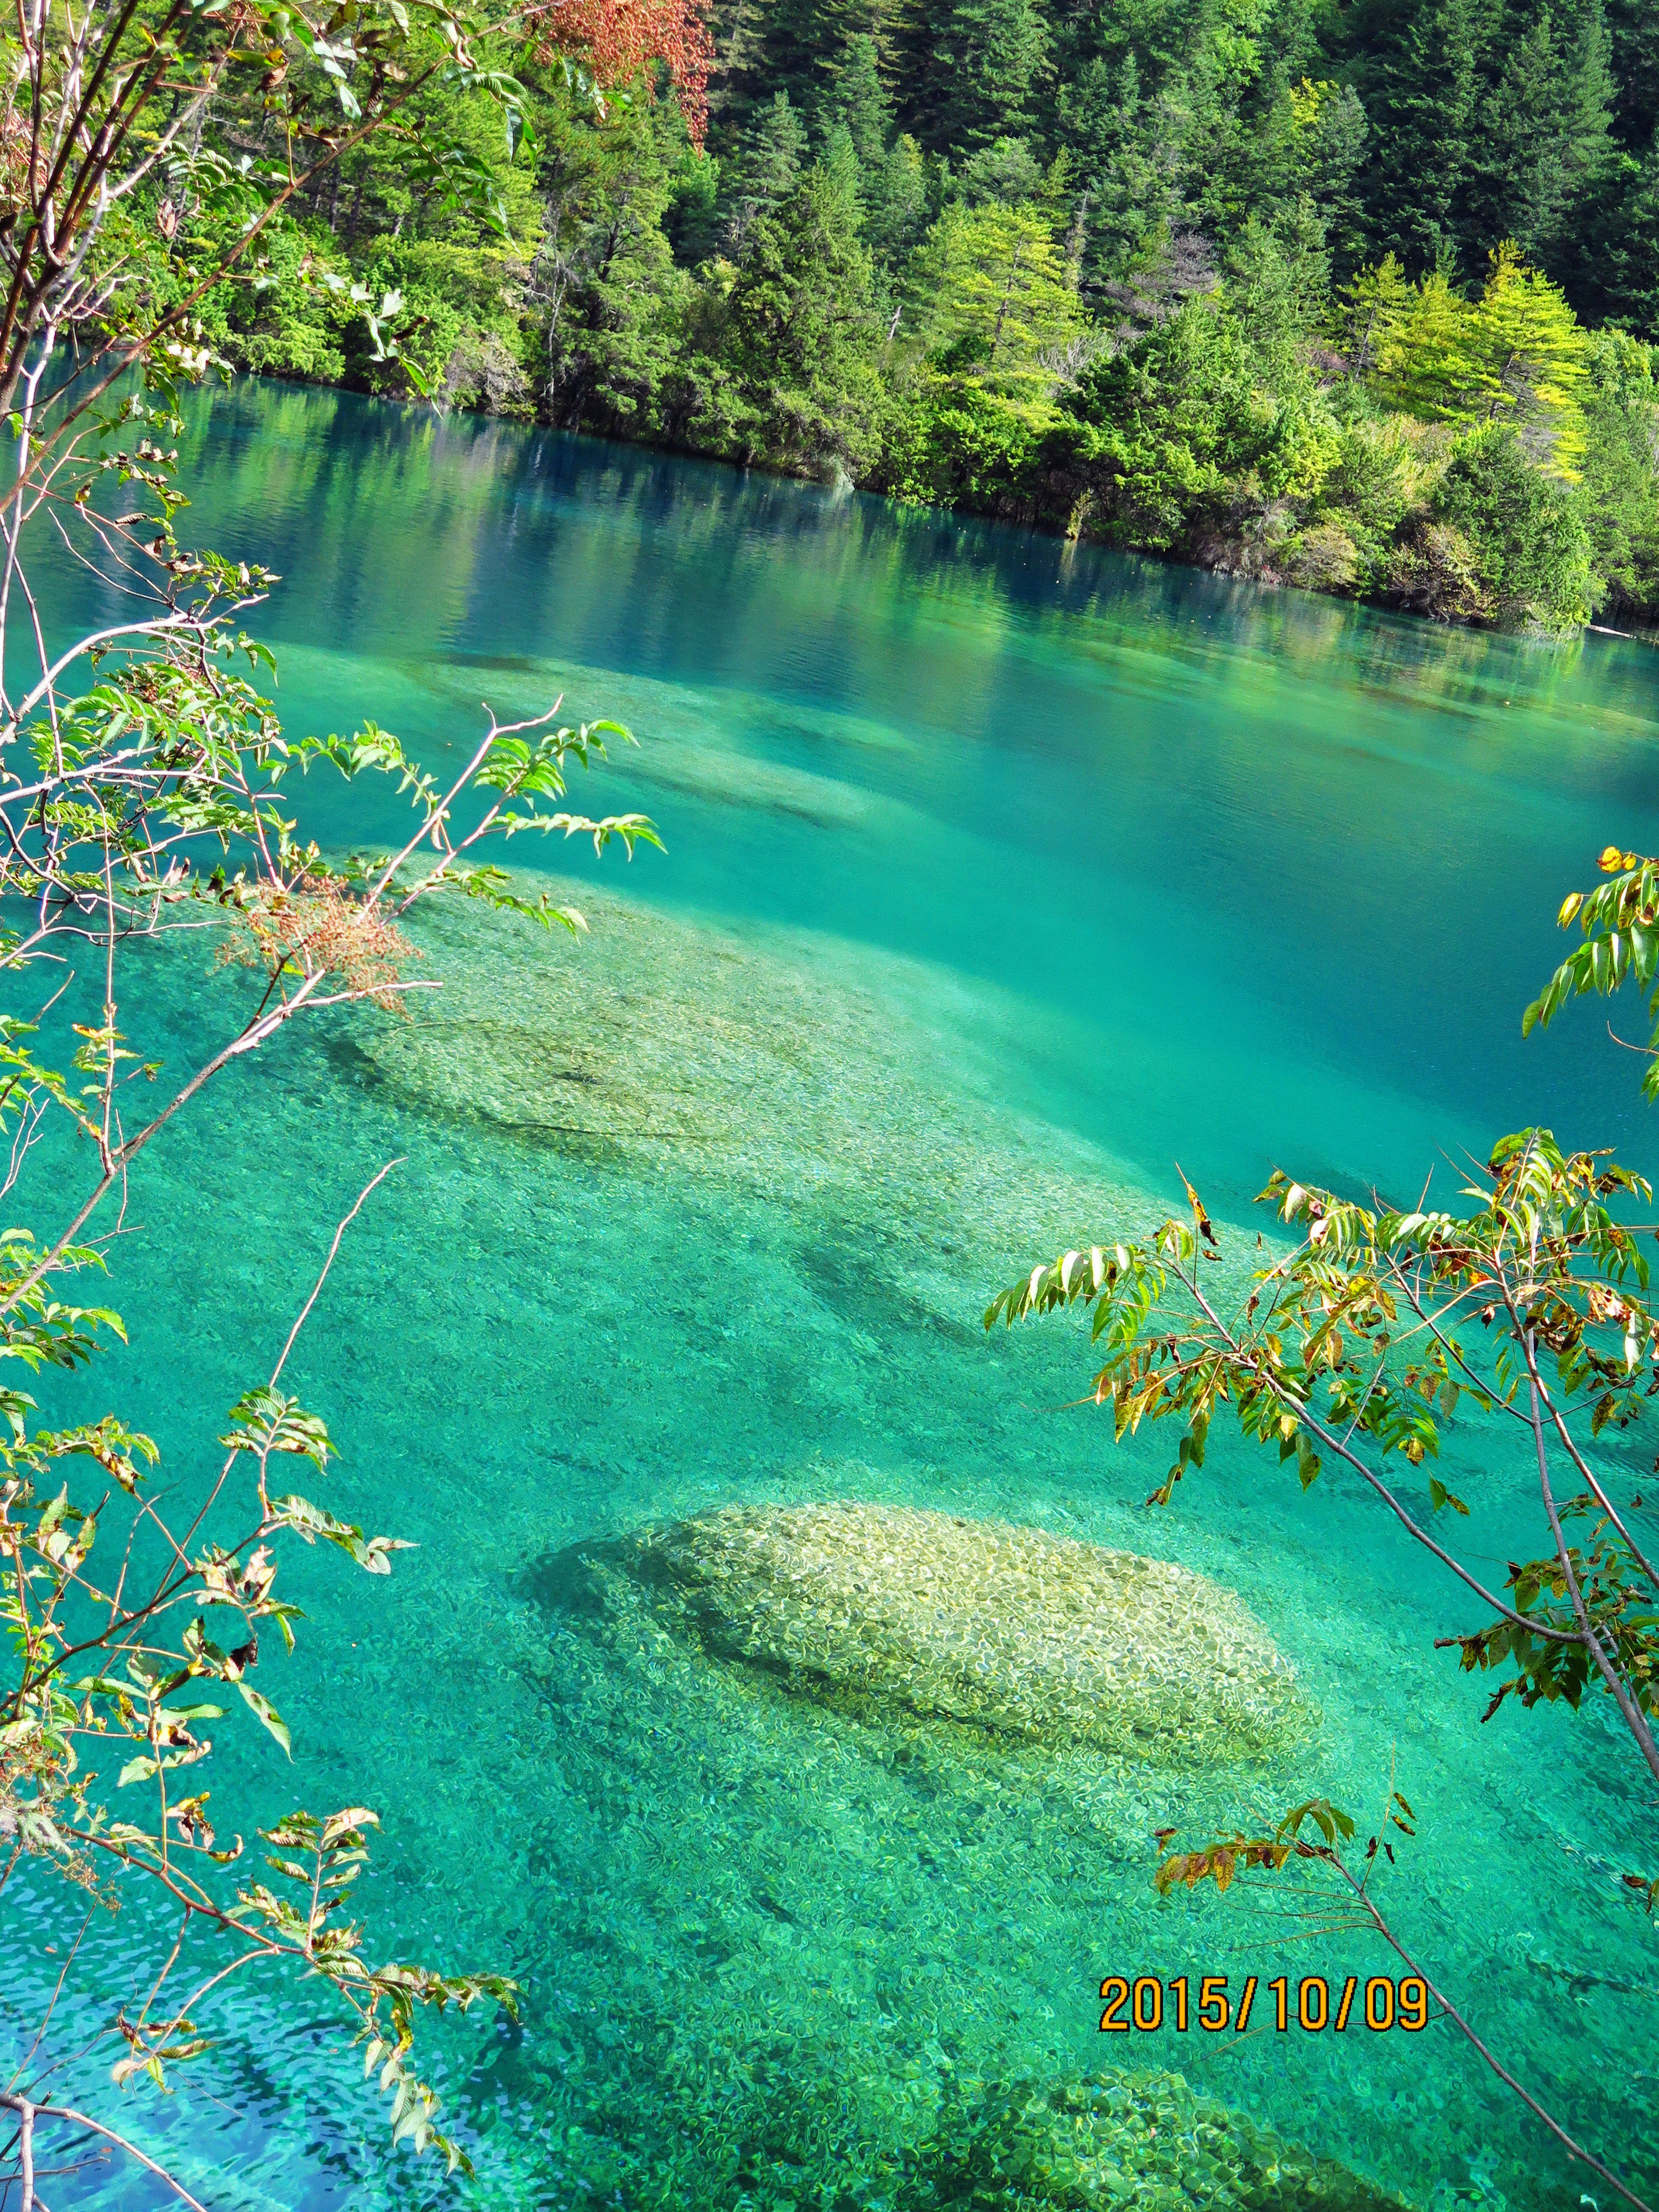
{"points": [[1569, 906]]}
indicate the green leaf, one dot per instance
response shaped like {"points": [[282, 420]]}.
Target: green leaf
{"points": [[268, 1714], [1439, 1496]]}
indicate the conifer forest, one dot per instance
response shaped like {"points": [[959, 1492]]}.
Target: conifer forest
{"points": [[1353, 296]]}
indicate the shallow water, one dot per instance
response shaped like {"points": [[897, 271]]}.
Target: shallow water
{"points": [[1000, 876]]}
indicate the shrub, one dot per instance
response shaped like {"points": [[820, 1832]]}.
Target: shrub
{"points": [[1527, 536]]}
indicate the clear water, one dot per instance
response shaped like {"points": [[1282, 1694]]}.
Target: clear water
{"points": [[1001, 877]]}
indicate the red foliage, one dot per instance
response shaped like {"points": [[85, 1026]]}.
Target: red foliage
{"points": [[621, 38]]}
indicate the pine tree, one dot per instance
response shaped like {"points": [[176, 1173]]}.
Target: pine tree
{"points": [[1515, 356], [859, 99], [1374, 313], [1005, 170], [889, 179], [1425, 110], [992, 62], [605, 275], [764, 170], [1119, 145], [994, 298], [1325, 146], [896, 202], [1627, 264], [1633, 29], [801, 333], [1545, 136], [737, 29], [1535, 355], [806, 42], [1423, 344], [1588, 154]]}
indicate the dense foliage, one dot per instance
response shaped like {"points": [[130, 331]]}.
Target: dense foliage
{"points": [[1354, 296]]}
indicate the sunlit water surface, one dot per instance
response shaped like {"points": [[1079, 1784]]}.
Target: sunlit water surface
{"points": [[1001, 877]]}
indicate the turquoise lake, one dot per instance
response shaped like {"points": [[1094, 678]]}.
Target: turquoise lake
{"points": [[1001, 876]]}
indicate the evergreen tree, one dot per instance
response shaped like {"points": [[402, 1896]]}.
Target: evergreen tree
{"points": [[1528, 536], [1007, 170], [794, 46], [895, 199], [1322, 157], [1125, 198], [764, 170], [1425, 111], [738, 32], [1633, 32], [1517, 193], [995, 297], [1589, 99], [889, 180], [858, 100], [1515, 356], [1619, 495], [1626, 262], [1534, 358], [691, 221], [991, 65], [799, 332], [1544, 141], [1374, 316], [606, 273]]}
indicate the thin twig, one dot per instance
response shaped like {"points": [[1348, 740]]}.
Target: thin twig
{"points": [[28, 2114]]}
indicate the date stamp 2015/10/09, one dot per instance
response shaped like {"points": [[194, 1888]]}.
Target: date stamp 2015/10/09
{"points": [[1141, 2003]]}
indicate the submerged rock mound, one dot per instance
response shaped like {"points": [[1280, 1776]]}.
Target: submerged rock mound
{"points": [[1134, 2142], [1008, 1630]]}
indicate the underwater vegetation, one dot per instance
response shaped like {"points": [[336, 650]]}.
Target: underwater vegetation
{"points": [[800, 1072], [1128, 2142], [1013, 1630]]}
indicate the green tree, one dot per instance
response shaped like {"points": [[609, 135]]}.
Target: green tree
{"points": [[1127, 196], [894, 199], [995, 297], [995, 332], [1544, 144], [612, 298], [764, 170], [1208, 433], [1516, 355], [1623, 268], [1425, 111], [1528, 533], [798, 338], [1323, 156], [1619, 496], [990, 66], [1374, 313], [1004, 170], [1533, 355], [858, 98], [1634, 36]]}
